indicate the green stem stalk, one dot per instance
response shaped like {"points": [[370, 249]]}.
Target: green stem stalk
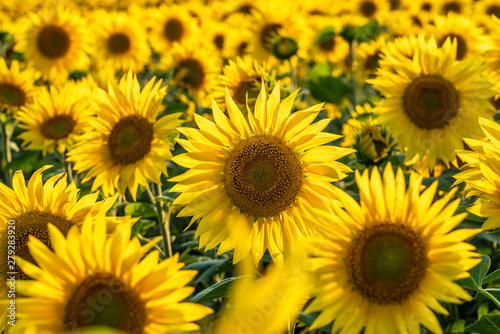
{"points": [[163, 220], [490, 297]]}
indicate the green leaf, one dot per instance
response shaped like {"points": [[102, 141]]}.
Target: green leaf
{"points": [[468, 283], [367, 32], [493, 291], [308, 319], [470, 216], [206, 269], [139, 209], [479, 272], [456, 327], [488, 324], [324, 86], [215, 291], [136, 228], [492, 277]]}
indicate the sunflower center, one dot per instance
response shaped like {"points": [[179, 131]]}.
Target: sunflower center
{"points": [[130, 140], [371, 62], [493, 10], [190, 73], [367, 8], [118, 43], [452, 7], [430, 101], [57, 127], [219, 42], [103, 299], [173, 30], [245, 9], [244, 87], [242, 48], [33, 223], [284, 47], [328, 44], [263, 176], [267, 34], [386, 262], [426, 6], [461, 44], [12, 95], [53, 42]]}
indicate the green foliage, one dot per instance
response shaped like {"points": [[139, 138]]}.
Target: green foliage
{"points": [[325, 87]]}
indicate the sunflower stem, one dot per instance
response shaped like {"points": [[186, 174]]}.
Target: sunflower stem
{"points": [[6, 150], [490, 297], [163, 219], [67, 167], [353, 79]]}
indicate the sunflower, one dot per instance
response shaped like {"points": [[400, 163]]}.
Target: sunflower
{"points": [[404, 46], [195, 69], [491, 48], [265, 173], [170, 24], [56, 42], [402, 23], [358, 287], [32, 207], [454, 6], [481, 173], [16, 85], [105, 282], [239, 40], [483, 11], [55, 118], [370, 9], [120, 42], [366, 58], [428, 6], [271, 17], [459, 27], [217, 33], [327, 45], [127, 145], [432, 100], [243, 79]]}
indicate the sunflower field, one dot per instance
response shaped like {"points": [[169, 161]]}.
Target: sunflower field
{"points": [[249, 166]]}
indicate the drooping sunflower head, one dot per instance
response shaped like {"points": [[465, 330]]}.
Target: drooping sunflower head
{"points": [[120, 41], [264, 171], [57, 42], [243, 79], [170, 24], [481, 173], [367, 57], [122, 290], [393, 252], [16, 85], [127, 145], [466, 32], [195, 68], [430, 105], [55, 118]]}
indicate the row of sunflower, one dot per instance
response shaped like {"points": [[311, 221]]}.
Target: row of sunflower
{"points": [[186, 170]]}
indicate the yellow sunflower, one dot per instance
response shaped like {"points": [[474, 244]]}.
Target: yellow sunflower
{"points": [[370, 9], [239, 42], [103, 281], [195, 67], [367, 57], [170, 24], [16, 85], [217, 33], [243, 79], [30, 208], [327, 45], [57, 43], [265, 173], [55, 118], [481, 173], [427, 6], [120, 42], [459, 27], [491, 48], [402, 23], [127, 146], [463, 7], [271, 17], [432, 100], [358, 287], [483, 11]]}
